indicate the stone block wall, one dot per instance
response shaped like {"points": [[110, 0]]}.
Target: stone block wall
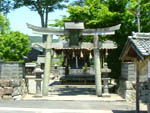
{"points": [[127, 90], [144, 92], [12, 89], [128, 71], [12, 83], [11, 70]]}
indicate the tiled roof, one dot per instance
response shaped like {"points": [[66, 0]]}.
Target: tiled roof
{"points": [[141, 42], [108, 44], [86, 45]]}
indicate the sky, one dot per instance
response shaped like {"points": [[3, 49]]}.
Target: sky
{"points": [[19, 17]]}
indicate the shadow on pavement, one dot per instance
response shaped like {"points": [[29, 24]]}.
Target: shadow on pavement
{"points": [[75, 91], [131, 111]]}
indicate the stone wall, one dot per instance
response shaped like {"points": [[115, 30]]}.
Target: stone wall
{"points": [[128, 71], [11, 70], [144, 92], [12, 84], [127, 88], [12, 89]]}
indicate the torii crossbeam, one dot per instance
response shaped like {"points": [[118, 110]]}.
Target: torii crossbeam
{"points": [[79, 27], [53, 31]]}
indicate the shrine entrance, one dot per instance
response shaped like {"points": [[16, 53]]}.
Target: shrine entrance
{"points": [[74, 59], [77, 67]]}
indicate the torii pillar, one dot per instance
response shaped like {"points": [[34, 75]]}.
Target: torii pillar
{"points": [[97, 65], [47, 65]]}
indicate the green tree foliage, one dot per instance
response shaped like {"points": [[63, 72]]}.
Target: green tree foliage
{"points": [[13, 46], [145, 15], [4, 24], [5, 6], [104, 13]]}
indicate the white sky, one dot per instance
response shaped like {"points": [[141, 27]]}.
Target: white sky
{"points": [[19, 17]]}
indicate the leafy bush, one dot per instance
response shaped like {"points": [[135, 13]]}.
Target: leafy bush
{"points": [[13, 46]]}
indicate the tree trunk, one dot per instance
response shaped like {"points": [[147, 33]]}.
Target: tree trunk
{"points": [[44, 24], [46, 18]]}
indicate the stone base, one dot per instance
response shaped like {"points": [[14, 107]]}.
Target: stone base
{"points": [[32, 84], [7, 97], [148, 107], [38, 95], [106, 95], [127, 90], [19, 97]]}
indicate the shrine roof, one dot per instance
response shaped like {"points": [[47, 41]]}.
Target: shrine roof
{"points": [[74, 25], [63, 44], [85, 45], [140, 43]]}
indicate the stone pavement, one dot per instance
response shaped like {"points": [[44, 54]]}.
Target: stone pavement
{"points": [[73, 92], [52, 106], [113, 97], [78, 93], [36, 110]]}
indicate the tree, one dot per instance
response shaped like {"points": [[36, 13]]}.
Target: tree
{"points": [[4, 24], [13, 46], [145, 15], [43, 7], [104, 13], [5, 6]]}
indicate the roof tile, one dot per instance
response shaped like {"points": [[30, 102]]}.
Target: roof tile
{"points": [[142, 43]]}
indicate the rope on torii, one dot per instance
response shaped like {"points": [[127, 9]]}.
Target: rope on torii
{"points": [[84, 32]]}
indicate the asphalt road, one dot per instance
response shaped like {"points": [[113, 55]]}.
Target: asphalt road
{"points": [[39, 106]]}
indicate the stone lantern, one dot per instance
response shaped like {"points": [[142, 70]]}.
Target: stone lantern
{"points": [[105, 71], [38, 72]]}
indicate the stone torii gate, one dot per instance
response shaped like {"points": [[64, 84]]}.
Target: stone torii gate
{"points": [[71, 27]]}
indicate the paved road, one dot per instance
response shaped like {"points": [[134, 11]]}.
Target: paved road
{"points": [[65, 107]]}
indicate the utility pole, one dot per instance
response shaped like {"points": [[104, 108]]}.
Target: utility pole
{"points": [[137, 74], [138, 16]]}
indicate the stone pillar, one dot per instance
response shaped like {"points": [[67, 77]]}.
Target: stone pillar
{"points": [[137, 88], [148, 103], [77, 62], [98, 80], [105, 71], [47, 66], [38, 72], [38, 87], [106, 88]]}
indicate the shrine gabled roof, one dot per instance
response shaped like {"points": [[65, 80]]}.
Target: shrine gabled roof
{"points": [[140, 43]]}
